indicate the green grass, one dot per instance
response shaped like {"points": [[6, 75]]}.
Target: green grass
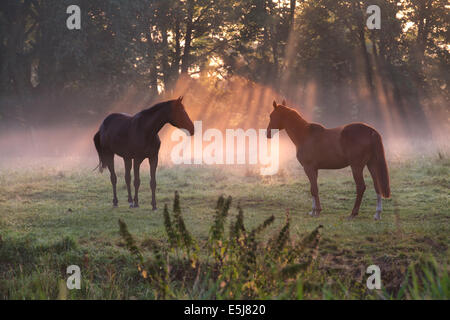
{"points": [[52, 218]]}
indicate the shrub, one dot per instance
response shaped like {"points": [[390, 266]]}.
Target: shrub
{"points": [[242, 266]]}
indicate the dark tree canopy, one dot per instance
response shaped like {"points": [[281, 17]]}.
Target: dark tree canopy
{"points": [[288, 46]]}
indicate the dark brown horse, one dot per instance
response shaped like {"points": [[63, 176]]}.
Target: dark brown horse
{"points": [[355, 145], [135, 138]]}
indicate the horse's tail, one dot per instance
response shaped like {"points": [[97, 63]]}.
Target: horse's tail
{"points": [[99, 149], [381, 165]]}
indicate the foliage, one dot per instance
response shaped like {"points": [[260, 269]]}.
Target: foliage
{"points": [[242, 266], [146, 46], [245, 268]]}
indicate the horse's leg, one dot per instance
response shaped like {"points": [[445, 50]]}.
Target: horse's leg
{"points": [[357, 171], [128, 164], [113, 178], [373, 172], [312, 176], [153, 164], [137, 181]]}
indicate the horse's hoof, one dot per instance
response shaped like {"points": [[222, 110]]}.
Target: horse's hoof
{"points": [[134, 205], [314, 213], [351, 217], [377, 216], [154, 208]]}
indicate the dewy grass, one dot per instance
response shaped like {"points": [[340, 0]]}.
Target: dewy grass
{"points": [[50, 219]]}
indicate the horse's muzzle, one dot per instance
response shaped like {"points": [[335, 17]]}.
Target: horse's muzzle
{"points": [[190, 129], [269, 132]]}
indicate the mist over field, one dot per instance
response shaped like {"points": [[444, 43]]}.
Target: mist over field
{"points": [[222, 231], [242, 104]]}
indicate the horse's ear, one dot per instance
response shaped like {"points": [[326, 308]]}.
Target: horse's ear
{"points": [[275, 105], [284, 102], [180, 99]]}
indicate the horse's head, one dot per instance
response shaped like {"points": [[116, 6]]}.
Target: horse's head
{"points": [[276, 118], [179, 117]]}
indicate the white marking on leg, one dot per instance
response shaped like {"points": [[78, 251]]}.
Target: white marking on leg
{"points": [[379, 208], [313, 211]]}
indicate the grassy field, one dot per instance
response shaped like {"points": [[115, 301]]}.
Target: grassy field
{"points": [[51, 218]]}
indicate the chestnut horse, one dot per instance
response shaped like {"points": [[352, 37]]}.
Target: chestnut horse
{"points": [[135, 138], [355, 145]]}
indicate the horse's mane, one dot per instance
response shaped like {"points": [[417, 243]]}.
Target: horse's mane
{"points": [[157, 107], [294, 113]]}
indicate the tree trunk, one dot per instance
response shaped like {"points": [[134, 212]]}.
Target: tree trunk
{"points": [[274, 45], [185, 64], [153, 67], [165, 58], [19, 67], [176, 60], [292, 13], [374, 110], [422, 31]]}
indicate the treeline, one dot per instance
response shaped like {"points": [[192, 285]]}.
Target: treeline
{"points": [[293, 47]]}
